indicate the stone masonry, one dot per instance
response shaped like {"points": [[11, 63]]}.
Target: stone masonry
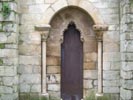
{"points": [[21, 67], [126, 90], [9, 30]]}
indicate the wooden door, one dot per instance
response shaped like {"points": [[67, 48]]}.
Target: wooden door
{"points": [[72, 65]]}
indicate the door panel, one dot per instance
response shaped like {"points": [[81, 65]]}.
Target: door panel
{"points": [[72, 65]]}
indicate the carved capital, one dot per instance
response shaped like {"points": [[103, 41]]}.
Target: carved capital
{"points": [[44, 30], [99, 30]]}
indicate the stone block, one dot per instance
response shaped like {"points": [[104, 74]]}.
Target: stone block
{"points": [[127, 84], [88, 57], [73, 2], [10, 70], [106, 66], [111, 89], [53, 69], [113, 56], [10, 61], [125, 94], [36, 69], [59, 4], [88, 84], [30, 60], [3, 38], [12, 38], [26, 49], [111, 47], [38, 8], [24, 87], [53, 61], [36, 88], [5, 89], [126, 75], [90, 74], [115, 65], [54, 87], [113, 83], [111, 75], [8, 27], [2, 70], [26, 28], [90, 65], [31, 38], [30, 78], [8, 81], [127, 56], [127, 66], [25, 69]]}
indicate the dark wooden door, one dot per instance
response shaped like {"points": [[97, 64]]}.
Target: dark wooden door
{"points": [[72, 65]]}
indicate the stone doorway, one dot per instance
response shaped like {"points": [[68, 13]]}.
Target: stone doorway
{"points": [[84, 24], [72, 64]]}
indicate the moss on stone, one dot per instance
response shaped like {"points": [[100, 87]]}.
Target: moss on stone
{"points": [[2, 46], [1, 62]]}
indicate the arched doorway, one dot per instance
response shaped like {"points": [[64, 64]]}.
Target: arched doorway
{"points": [[87, 46], [72, 65]]}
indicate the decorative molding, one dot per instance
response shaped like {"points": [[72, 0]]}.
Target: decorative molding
{"points": [[99, 30], [77, 28], [44, 30]]}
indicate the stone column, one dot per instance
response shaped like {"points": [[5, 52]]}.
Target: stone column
{"points": [[44, 30], [99, 30]]}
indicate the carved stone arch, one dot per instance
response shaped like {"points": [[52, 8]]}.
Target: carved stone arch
{"points": [[85, 5], [77, 28]]}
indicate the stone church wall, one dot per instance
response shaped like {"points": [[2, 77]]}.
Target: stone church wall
{"points": [[8, 49], [20, 49], [126, 91]]}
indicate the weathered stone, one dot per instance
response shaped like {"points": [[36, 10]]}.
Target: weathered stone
{"points": [[59, 4], [125, 94], [114, 56], [114, 83], [127, 84], [31, 38], [25, 69], [111, 75], [126, 75], [24, 87], [30, 60], [111, 89], [10, 71], [36, 88], [88, 84], [89, 65], [53, 69], [5, 89], [8, 81], [38, 8], [53, 61], [53, 87], [90, 74], [26, 49], [127, 66], [30, 78]]}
